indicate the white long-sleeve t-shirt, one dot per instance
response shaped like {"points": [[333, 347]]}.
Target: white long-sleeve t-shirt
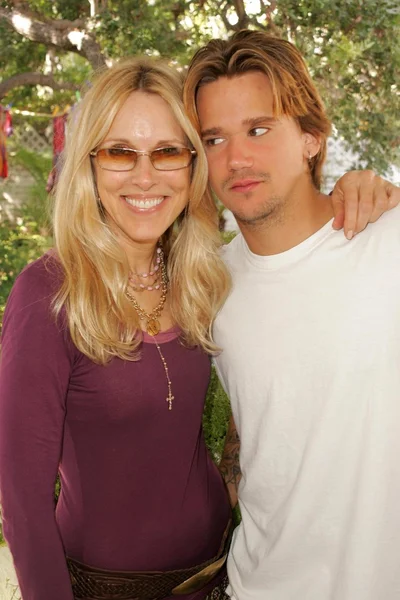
{"points": [[311, 362]]}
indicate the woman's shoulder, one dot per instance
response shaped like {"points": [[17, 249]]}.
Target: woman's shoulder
{"points": [[44, 274], [38, 281]]}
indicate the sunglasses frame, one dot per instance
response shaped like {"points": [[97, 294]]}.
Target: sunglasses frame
{"points": [[138, 153]]}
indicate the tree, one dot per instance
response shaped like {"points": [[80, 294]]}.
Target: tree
{"points": [[352, 48], [353, 51]]}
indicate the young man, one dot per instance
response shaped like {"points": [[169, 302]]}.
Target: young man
{"points": [[310, 337]]}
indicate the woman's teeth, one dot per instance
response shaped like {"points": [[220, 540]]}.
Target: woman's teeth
{"points": [[148, 203]]}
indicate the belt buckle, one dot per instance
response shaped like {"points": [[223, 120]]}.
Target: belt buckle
{"points": [[200, 579]]}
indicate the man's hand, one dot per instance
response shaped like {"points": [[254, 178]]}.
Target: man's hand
{"points": [[359, 198]]}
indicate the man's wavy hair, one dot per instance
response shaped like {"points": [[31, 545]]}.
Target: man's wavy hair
{"points": [[294, 93], [101, 321]]}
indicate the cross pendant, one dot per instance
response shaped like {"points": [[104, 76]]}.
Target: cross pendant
{"points": [[169, 399]]}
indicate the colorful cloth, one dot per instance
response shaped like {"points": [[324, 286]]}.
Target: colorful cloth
{"points": [[59, 124], [5, 131]]}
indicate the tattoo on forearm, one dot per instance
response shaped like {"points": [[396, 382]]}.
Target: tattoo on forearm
{"points": [[229, 466]]}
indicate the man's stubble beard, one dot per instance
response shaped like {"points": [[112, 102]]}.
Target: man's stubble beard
{"points": [[269, 214]]}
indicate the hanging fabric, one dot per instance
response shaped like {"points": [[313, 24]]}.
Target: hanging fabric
{"points": [[59, 124], [5, 131]]}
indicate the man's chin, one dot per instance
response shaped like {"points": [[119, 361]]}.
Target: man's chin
{"points": [[253, 216], [253, 219]]}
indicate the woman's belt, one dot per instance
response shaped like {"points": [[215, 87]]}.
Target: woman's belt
{"points": [[101, 584]]}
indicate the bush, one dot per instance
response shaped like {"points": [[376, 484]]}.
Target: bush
{"points": [[26, 237], [216, 415], [21, 242]]}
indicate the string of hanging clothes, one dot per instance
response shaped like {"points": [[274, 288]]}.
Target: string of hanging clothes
{"points": [[5, 132], [59, 125], [59, 119]]}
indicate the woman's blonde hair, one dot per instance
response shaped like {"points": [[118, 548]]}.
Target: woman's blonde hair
{"points": [[294, 92], [101, 321]]}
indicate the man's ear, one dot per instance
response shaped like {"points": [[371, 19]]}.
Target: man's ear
{"points": [[312, 144]]}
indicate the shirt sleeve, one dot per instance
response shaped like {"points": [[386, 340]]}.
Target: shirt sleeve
{"points": [[35, 366], [219, 374]]}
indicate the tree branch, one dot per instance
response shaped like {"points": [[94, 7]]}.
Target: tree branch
{"points": [[222, 8], [269, 10], [97, 7], [23, 79], [70, 36], [243, 18]]}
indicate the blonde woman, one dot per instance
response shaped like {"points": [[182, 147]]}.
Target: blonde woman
{"points": [[106, 361]]}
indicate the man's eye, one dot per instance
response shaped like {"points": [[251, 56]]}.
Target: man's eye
{"points": [[213, 141], [257, 131]]}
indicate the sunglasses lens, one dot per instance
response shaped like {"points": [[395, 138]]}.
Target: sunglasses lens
{"points": [[170, 158], [163, 159], [116, 159]]}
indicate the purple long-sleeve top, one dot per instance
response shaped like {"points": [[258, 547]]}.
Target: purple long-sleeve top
{"points": [[138, 488]]}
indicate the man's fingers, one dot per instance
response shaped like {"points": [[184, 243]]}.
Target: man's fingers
{"points": [[393, 193], [338, 221], [381, 200], [386, 196], [350, 211], [338, 208], [360, 198], [366, 205]]}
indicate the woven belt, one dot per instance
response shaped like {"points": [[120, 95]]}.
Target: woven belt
{"points": [[101, 584]]}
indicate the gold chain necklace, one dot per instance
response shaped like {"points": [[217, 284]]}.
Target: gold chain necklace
{"points": [[153, 324]]}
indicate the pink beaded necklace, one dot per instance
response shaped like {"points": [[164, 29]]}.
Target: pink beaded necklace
{"points": [[135, 278]]}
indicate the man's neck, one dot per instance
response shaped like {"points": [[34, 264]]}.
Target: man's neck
{"points": [[298, 221]]}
